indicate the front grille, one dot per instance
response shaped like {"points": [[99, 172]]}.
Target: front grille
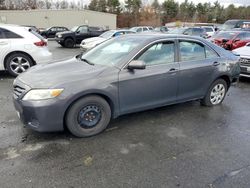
{"points": [[18, 91], [245, 62]]}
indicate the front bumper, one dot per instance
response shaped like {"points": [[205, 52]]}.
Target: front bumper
{"points": [[41, 116], [59, 40]]}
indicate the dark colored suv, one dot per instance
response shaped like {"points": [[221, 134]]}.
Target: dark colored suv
{"points": [[75, 36], [52, 31]]}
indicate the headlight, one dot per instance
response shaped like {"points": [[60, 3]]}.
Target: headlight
{"points": [[59, 36], [40, 94]]}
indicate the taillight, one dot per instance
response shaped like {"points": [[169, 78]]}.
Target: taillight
{"points": [[41, 43]]}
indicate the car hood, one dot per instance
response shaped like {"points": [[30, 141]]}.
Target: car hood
{"points": [[64, 33], [243, 51], [94, 40], [54, 74]]}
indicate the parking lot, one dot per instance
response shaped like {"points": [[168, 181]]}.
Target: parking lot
{"points": [[185, 145]]}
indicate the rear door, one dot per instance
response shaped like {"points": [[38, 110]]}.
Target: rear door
{"points": [[4, 47], [198, 65]]}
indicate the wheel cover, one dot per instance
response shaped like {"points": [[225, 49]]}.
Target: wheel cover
{"points": [[89, 116], [217, 94], [19, 65]]}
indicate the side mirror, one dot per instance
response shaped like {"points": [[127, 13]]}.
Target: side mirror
{"points": [[236, 40], [77, 31], [136, 64]]}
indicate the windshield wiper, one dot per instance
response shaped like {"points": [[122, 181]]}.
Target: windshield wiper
{"points": [[87, 61]]}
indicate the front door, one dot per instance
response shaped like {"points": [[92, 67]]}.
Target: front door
{"points": [[153, 86]]}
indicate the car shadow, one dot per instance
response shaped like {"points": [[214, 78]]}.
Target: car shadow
{"points": [[5, 75]]}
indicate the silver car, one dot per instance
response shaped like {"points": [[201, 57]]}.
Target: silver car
{"points": [[126, 74]]}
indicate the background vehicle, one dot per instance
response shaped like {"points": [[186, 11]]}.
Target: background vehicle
{"points": [[231, 40], [140, 29], [20, 49], [210, 30], [196, 31], [244, 53], [123, 75], [94, 41], [162, 29], [75, 36], [51, 32], [231, 24]]}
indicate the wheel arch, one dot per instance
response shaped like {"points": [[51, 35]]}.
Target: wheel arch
{"points": [[14, 52], [226, 78], [99, 94]]}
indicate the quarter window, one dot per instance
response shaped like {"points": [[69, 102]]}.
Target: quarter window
{"points": [[10, 35], [160, 53], [191, 51]]}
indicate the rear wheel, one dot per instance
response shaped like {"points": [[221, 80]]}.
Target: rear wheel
{"points": [[216, 93], [18, 63], [88, 116], [69, 43]]}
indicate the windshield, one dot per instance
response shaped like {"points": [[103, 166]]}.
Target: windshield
{"points": [[229, 25], [74, 28], [225, 35], [112, 51], [107, 34]]}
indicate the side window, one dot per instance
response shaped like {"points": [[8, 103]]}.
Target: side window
{"points": [[139, 30], [53, 29], [145, 29], [191, 51], [160, 53], [197, 31], [1, 34], [210, 53], [241, 36], [247, 35], [10, 35], [83, 29]]}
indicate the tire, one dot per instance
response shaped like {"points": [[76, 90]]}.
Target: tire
{"points": [[83, 120], [69, 43], [18, 63], [216, 93]]}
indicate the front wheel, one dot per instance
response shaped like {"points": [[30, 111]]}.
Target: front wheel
{"points": [[216, 93], [69, 43], [88, 116]]}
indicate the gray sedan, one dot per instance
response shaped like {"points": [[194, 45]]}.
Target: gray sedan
{"points": [[123, 75]]}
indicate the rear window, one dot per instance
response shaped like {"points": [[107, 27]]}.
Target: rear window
{"points": [[37, 35]]}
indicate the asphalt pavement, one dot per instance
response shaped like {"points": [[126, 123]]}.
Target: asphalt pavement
{"points": [[185, 145]]}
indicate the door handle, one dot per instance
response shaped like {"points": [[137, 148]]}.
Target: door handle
{"points": [[216, 63], [3, 43], [173, 70]]}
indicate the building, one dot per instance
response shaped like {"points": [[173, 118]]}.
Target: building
{"points": [[68, 18]]}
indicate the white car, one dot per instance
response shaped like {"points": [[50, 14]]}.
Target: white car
{"points": [[210, 30], [89, 43], [21, 48], [140, 29], [244, 53]]}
